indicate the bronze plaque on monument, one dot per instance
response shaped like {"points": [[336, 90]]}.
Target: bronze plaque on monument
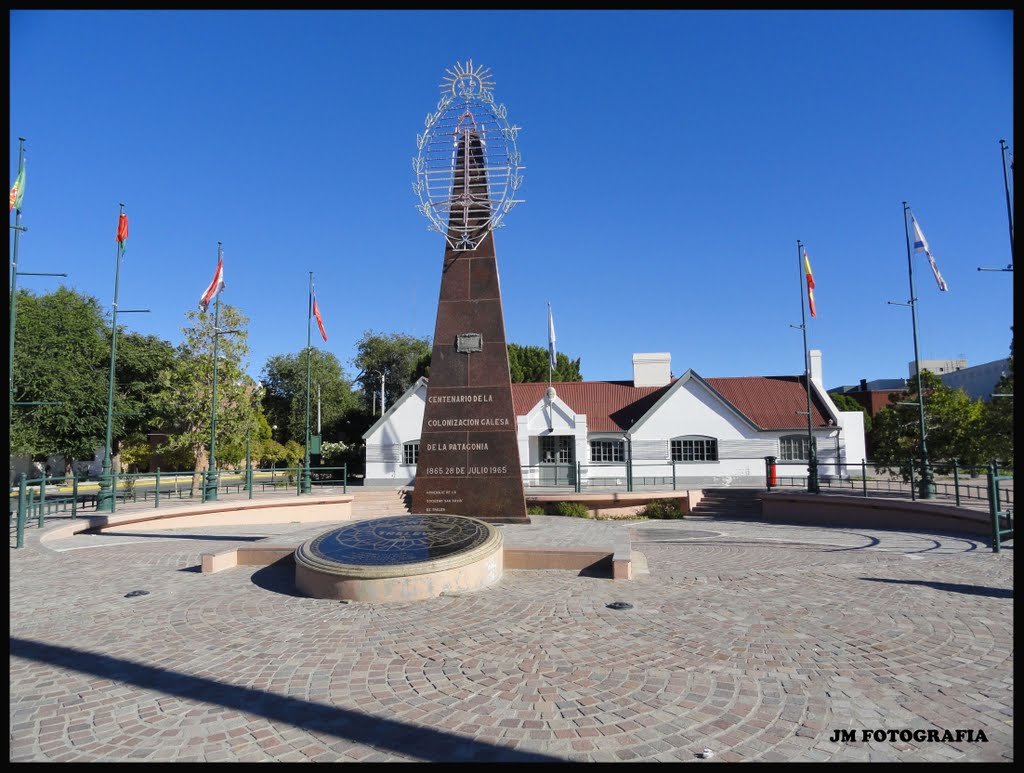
{"points": [[469, 460]]}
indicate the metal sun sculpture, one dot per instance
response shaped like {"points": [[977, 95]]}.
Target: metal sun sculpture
{"points": [[468, 167]]}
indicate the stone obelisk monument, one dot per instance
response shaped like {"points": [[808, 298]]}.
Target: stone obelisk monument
{"points": [[469, 456]]}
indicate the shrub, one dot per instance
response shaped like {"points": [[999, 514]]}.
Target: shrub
{"points": [[535, 510], [573, 509], [662, 509]]}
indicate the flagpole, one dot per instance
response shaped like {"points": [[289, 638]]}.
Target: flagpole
{"points": [[306, 484], [105, 498], [1010, 208], [812, 452], [14, 295], [927, 488], [549, 343], [210, 490]]}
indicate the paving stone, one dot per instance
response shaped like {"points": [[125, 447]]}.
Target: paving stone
{"points": [[756, 643]]}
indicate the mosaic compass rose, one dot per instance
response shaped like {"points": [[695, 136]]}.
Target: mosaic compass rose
{"points": [[468, 169]]}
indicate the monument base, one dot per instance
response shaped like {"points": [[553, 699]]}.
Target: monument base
{"points": [[400, 558]]}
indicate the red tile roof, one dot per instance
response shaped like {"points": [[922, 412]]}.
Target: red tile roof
{"points": [[772, 402], [610, 406], [769, 402]]}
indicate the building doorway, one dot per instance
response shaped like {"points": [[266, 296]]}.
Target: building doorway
{"points": [[557, 460]]}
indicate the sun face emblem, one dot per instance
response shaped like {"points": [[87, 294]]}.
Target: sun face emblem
{"points": [[465, 82], [468, 167]]}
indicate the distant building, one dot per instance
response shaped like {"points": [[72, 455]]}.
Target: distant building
{"points": [[691, 430], [938, 367], [978, 381]]}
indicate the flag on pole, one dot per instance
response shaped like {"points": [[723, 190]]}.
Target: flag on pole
{"points": [[122, 232], [810, 284], [319, 319], [551, 338], [921, 245], [18, 190], [215, 286]]}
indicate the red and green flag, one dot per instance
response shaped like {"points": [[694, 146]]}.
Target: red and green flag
{"points": [[18, 190], [122, 232], [810, 284], [319, 319]]}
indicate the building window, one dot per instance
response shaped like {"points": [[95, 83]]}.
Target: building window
{"points": [[607, 451], [411, 452], [695, 449], [794, 448]]}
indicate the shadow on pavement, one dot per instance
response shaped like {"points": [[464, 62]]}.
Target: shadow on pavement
{"points": [[952, 587], [414, 741]]}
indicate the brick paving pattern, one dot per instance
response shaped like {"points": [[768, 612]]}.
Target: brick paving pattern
{"points": [[755, 640]]}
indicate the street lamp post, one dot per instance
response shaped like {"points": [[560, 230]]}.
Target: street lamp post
{"points": [[210, 486], [813, 487], [105, 497], [305, 480], [927, 486]]}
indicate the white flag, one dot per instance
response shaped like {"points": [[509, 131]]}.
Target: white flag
{"points": [[551, 337], [921, 245]]}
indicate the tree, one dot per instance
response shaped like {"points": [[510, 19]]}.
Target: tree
{"points": [[400, 357], [284, 394], [529, 364], [143, 363], [187, 390], [62, 354], [952, 425], [997, 419], [847, 403]]}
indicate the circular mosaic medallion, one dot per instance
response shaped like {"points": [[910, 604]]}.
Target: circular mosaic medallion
{"points": [[400, 545]]}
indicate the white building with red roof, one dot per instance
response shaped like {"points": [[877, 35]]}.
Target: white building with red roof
{"points": [[657, 430]]}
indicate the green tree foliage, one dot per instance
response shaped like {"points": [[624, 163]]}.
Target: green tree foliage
{"points": [[284, 394], [143, 363], [847, 403], [529, 364], [61, 354], [952, 424], [997, 419], [187, 390], [401, 358]]}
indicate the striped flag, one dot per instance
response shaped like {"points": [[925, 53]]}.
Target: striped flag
{"points": [[810, 284], [18, 190], [319, 319], [551, 338], [122, 232], [921, 245], [215, 286]]}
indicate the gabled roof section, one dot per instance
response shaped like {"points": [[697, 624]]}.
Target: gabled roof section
{"points": [[610, 406], [772, 402], [421, 381]]}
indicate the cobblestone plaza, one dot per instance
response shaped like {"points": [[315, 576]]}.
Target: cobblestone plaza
{"points": [[757, 641]]}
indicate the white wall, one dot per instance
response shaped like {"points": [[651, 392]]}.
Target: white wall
{"points": [[692, 409], [403, 424]]}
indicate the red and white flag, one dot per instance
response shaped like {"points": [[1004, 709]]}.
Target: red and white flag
{"points": [[215, 286], [319, 319]]}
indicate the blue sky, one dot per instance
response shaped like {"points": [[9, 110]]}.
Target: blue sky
{"points": [[673, 159]]}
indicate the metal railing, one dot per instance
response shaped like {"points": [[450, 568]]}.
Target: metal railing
{"points": [[950, 478], [73, 495]]}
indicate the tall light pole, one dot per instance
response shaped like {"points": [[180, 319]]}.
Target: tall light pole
{"points": [[106, 496], [18, 228], [210, 486], [305, 481], [812, 453], [1009, 208], [927, 487]]}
